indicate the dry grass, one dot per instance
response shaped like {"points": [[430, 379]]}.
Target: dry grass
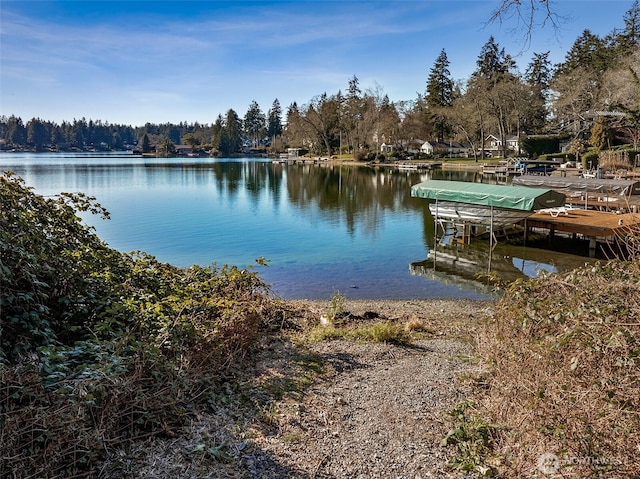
{"points": [[564, 379], [420, 319], [614, 161], [415, 324], [67, 428]]}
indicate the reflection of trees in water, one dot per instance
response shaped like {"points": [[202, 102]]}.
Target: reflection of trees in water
{"points": [[357, 195]]}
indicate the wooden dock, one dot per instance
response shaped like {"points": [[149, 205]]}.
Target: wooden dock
{"points": [[597, 226], [606, 203]]}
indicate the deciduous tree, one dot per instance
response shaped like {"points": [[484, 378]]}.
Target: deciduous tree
{"points": [[531, 14], [321, 116], [495, 93]]}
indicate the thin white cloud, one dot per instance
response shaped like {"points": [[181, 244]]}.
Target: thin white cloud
{"points": [[203, 63]]}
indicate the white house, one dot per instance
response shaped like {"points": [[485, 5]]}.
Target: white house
{"points": [[386, 148], [493, 144], [445, 148]]}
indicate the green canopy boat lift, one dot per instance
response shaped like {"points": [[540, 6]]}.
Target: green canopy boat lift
{"points": [[478, 204]]}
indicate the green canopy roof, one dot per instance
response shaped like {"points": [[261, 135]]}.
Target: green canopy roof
{"points": [[500, 196]]}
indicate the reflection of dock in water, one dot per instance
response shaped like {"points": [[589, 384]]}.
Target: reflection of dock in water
{"points": [[467, 266], [455, 269]]}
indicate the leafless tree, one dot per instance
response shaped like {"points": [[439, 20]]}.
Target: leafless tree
{"points": [[531, 14]]}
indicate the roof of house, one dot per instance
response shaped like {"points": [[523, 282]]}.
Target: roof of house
{"points": [[507, 137], [446, 144]]}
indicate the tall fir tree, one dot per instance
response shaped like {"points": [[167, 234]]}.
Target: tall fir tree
{"points": [[146, 144], [254, 123], [440, 95], [629, 38], [493, 62], [588, 52], [538, 75], [274, 120], [231, 134]]}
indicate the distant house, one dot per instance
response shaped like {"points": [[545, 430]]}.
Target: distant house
{"points": [[184, 150], [446, 148], [493, 145], [413, 146], [386, 148], [294, 152]]}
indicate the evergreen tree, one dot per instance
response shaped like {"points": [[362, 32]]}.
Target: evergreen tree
{"points": [[440, 94], [588, 52], [389, 124], [16, 132], [493, 62], [167, 147], [351, 112], [630, 36], [538, 76], [217, 132], [274, 122], [231, 134], [497, 93], [254, 123], [578, 82], [354, 88], [37, 134], [146, 144], [440, 84], [600, 135]]}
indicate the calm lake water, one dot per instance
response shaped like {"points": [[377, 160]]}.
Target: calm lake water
{"points": [[323, 228]]}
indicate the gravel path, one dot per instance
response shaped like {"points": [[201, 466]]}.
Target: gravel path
{"points": [[376, 411], [381, 414]]}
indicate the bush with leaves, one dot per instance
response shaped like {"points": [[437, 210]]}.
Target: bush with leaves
{"points": [[99, 346], [48, 260]]}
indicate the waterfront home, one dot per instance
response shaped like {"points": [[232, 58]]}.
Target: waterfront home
{"points": [[493, 145], [446, 148]]}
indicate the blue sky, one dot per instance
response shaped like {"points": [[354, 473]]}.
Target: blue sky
{"points": [[133, 62]]}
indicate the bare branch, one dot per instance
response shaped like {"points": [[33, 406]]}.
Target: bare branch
{"points": [[532, 15]]}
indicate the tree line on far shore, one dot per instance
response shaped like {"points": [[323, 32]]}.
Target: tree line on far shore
{"points": [[592, 99]]}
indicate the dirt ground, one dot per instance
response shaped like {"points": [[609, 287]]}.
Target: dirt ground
{"points": [[335, 408]]}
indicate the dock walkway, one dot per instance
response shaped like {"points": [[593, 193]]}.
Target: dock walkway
{"points": [[597, 226]]}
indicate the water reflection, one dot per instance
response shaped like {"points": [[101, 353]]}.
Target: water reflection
{"points": [[470, 266], [323, 227]]}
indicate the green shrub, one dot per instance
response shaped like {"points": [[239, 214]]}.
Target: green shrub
{"points": [[473, 439], [337, 305], [51, 268], [590, 159], [100, 347], [385, 332], [540, 145]]}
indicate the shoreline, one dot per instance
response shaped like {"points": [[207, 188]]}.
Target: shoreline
{"points": [[456, 319]]}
